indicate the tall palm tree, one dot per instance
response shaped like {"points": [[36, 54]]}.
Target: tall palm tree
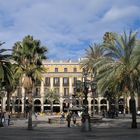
{"points": [[5, 70], [6, 75], [28, 55], [120, 68], [93, 54], [109, 37]]}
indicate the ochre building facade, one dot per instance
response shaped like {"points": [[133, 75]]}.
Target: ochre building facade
{"points": [[61, 77]]}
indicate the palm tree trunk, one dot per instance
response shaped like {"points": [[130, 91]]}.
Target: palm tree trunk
{"points": [[93, 105], [25, 109], [51, 107], [8, 101], [133, 111], [30, 111]]}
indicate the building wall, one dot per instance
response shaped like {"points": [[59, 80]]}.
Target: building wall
{"points": [[59, 69]]}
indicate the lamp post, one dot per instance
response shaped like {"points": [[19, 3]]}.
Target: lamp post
{"points": [[93, 89], [83, 86]]}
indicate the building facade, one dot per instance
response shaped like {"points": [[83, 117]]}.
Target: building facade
{"points": [[61, 77]]}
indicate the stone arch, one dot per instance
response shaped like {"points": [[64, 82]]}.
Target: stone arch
{"points": [[103, 101], [121, 105], [56, 106], [96, 102], [37, 105], [18, 105], [103, 105], [95, 107], [47, 105]]}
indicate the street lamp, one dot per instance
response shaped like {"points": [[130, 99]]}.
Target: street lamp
{"points": [[83, 86], [93, 89]]}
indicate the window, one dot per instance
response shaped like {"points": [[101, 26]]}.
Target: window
{"points": [[47, 81], [65, 70], [74, 81], [56, 81], [57, 91], [66, 91], [37, 92], [56, 69], [74, 69], [65, 81], [37, 82], [74, 91]]}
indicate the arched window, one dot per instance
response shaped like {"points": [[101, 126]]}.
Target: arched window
{"points": [[103, 101], [37, 102]]}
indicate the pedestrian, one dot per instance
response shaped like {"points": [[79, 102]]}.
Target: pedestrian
{"points": [[7, 118], [62, 117], [74, 118], [36, 115], [68, 119]]}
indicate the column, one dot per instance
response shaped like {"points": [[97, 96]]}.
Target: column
{"points": [[61, 94], [107, 105], [51, 82], [99, 108], [42, 93], [22, 99], [42, 103], [136, 99], [70, 90], [61, 104], [61, 86], [89, 105], [42, 88], [4, 103]]}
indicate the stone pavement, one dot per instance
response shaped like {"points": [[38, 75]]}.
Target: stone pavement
{"points": [[108, 129]]}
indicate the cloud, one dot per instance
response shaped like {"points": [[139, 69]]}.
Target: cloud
{"points": [[66, 27], [115, 14]]}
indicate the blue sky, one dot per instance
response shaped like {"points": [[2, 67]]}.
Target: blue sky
{"points": [[66, 27]]}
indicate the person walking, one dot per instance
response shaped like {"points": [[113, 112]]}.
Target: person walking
{"points": [[68, 119], [36, 115], [74, 118], [7, 118]]}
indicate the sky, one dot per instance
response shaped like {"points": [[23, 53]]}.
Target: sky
{"points": [[66, 27]]}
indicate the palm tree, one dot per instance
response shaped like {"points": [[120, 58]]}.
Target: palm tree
{"points": [[5, 69], [28, 55], [6, 75], [52, 96], [120, 67], [93, 54], [109, 37]]}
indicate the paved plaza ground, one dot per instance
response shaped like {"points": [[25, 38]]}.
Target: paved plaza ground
{"points": [[107, 129]]}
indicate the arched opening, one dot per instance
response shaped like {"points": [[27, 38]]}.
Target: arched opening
{"points": [[37, 105], [84, 102], [95, 107], [18, 105], [47, 106], [56, 106], [103, 104], [121, 105], [77, 103], [11, 105]]}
